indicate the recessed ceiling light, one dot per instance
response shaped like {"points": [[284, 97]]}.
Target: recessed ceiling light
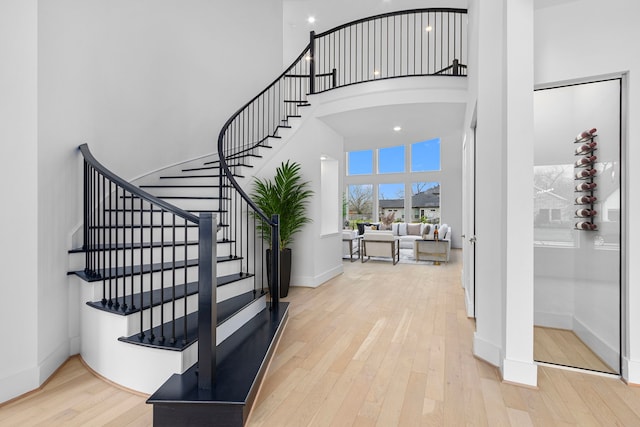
{"points": [[429, 28], [311, 19], [323, 157], [397, 128], [376, 73]]}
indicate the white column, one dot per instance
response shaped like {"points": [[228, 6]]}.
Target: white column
{"points": [[518, 363], [504, 248]]}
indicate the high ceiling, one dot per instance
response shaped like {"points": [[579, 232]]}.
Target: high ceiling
{"points": [[373, 127]]}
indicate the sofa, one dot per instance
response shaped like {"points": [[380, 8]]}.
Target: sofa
{"points": [[407, 234]]}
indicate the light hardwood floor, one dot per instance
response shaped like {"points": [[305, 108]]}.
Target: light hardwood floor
{"points": [[561, 346], [379, 345]]}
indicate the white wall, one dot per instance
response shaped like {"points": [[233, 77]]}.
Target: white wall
{"points": [[316, 253], [562, 54], [18, 217], [145, 84], [332, 13]]}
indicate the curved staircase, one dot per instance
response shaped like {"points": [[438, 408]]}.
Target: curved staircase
{"points": [[176, 298]]}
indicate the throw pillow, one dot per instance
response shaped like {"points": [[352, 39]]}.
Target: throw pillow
{"points": [[374, 227], [426, 231], [402, 229], [385, 227], [413, 229], [394, 228]]}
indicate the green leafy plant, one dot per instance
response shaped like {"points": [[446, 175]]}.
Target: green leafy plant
{"points": [[288, 196]]}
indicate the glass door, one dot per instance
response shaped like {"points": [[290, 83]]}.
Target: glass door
{"points": [[577, 225]]}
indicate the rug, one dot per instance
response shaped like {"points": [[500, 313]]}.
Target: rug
{"points": [[406, 257]]}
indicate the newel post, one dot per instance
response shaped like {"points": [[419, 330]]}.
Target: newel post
{"points": [[312, 63], [207, 308]]}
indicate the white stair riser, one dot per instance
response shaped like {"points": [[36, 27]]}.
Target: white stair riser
{"points": [[224, 292], [144, 217], [77, 259], [186, 204], [226, 329], [133, 320], [139, 368], [121, 235], [231, 290], [185, 190]]}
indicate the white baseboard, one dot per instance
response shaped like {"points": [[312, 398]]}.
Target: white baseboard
{"points": [[604, 351], [468, 302], [631, 371], [18, 384], [553, 320], [486, 351], [32, 378], [518, 372], [49, 365], [315, 281]]}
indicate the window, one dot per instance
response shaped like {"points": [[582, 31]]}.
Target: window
{"points": [[391, 201], [425, 156], [360, 202], [391, 160], [360, 162], [425, 202], [329, 195]]}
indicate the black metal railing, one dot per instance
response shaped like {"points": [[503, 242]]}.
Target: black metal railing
{"points": [[142, 249], [417, 42]]}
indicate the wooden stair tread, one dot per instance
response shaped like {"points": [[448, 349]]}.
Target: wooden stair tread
{"points": [[225, 310], [241, 363]]}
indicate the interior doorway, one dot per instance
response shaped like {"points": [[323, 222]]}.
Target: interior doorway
{"points": [[578, 224], [469, 219]]}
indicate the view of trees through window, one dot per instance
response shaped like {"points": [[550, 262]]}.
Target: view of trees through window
{"points": [[388, 195], [360, 202]]}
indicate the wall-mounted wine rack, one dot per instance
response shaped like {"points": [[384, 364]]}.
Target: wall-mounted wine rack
{"points": [[585, 173]]}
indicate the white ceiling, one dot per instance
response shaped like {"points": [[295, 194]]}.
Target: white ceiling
{"points": [[541, 4], [373, 127]]}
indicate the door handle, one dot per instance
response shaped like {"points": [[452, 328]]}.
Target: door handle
{"points": [[463, 236], [473, 239]]}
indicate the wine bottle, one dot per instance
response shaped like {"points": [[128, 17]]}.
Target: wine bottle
{"points": [[436, 233], [586, 173], [586, 213], [586, 186], [586, 225], [587, 160], [585, 200], [586, 148], [586, 134]]}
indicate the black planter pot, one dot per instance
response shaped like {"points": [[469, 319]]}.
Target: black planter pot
{"points": [[285, 271]]}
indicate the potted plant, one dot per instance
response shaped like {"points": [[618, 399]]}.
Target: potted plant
{"points": [[287, 195]]}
